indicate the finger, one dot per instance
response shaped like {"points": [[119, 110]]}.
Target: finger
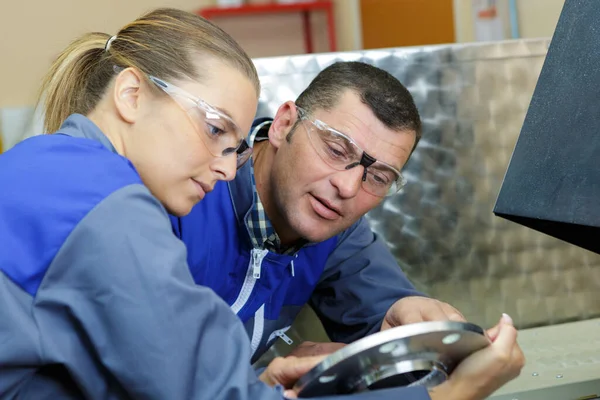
{"points": [[303, 349], [518, 359], [294, 368], [434, 312], [304, 364], [507, 336], [316, 349], [452, 313], [300, 367], [276, 367], [492, 333], [514, 364], [326, 348], [410, 317]]}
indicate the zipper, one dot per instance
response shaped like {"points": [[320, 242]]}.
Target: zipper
{"points": [[256, 258], [258, 330], [292, 270], [281, 333], [285, 337]]}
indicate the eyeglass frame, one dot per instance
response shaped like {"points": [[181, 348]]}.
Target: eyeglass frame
{"points": [[243, 150], [366, 160]]}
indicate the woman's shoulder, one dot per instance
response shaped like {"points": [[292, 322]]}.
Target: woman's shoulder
{"points": [[61, 178], [50, 185], [65, 164]]}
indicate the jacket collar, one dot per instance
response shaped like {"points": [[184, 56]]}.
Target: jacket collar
{"points": [[77, 125], [240, 188]]}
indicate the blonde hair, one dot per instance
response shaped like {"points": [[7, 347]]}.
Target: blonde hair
{"points": [[160, 43]]}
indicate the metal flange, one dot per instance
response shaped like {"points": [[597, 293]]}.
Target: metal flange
{"points": [[423, 354]]}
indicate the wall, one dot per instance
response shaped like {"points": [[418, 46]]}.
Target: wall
{"points": [[537, 18], [399, 23], [268, 36], [33, 35]]}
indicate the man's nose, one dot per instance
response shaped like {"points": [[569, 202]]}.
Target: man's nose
{"points": [[348, 181]]}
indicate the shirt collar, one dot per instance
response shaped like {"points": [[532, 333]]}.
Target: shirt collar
{"points": [[261, 230]]}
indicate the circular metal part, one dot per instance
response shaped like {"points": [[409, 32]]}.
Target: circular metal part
{"points": [[422, 354], [403, 373]]}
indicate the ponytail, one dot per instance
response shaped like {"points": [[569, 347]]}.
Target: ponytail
{"points": [[67, 87]]}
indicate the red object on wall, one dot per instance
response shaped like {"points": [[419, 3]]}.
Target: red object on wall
{"points": [[303, 7]]}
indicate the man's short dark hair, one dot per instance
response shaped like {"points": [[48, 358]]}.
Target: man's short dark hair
{"points": [[389, 100]]}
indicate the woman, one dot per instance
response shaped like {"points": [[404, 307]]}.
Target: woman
{"points": [[97, 300]]}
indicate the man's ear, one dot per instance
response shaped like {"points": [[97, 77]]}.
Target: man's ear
{"points": [[282, 125], [127, 94]]}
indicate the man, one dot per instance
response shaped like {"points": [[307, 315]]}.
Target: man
{"points": [[290, 229]]}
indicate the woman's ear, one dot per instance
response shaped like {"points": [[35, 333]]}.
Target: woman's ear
{"points": [[282, 125], [127, 94]]}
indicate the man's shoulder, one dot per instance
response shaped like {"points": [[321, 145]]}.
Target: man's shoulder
{"points": [[349, 238], [359, 229]]}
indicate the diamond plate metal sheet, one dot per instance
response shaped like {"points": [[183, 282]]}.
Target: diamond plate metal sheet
{"points": [[473, 99]]}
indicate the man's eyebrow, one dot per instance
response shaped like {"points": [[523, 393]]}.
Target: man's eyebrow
{"points": [[374, 166], [381, 167]]}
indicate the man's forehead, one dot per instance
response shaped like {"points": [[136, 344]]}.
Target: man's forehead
{"points": [[370, 134]]}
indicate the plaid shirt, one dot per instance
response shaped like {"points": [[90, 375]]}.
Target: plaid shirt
{"points": [[262, 233]]}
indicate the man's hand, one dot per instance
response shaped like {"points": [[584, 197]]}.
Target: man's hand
{"points": [[485, 371], [308, 349], [286, 371], [413, 309]]}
